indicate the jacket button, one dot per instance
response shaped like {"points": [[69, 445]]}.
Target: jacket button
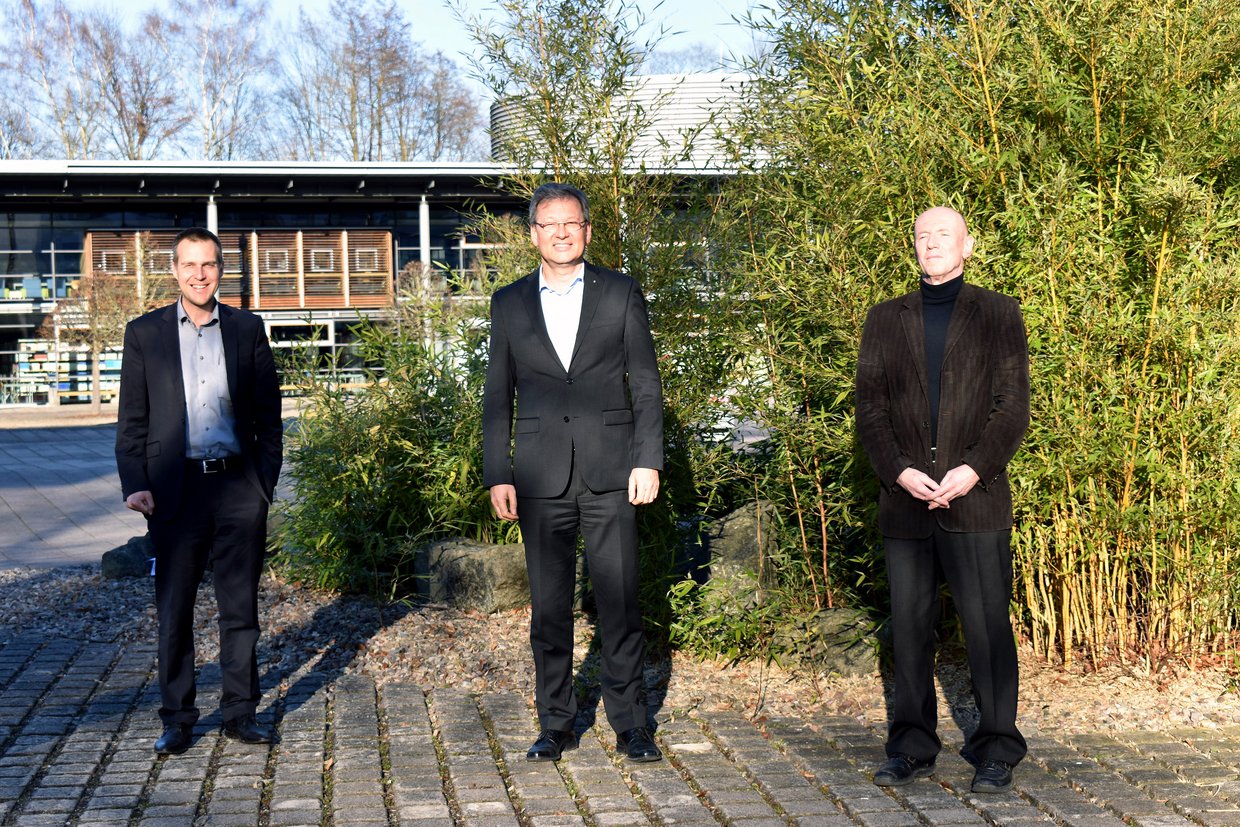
{"points": [[569, 380], [566, 419]]}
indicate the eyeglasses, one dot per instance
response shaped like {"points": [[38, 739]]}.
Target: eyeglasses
{"points": [[193, 266], [571, 226]]}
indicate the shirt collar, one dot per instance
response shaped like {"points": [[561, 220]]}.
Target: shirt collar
{"points": [[183, 316], [578, 278]]}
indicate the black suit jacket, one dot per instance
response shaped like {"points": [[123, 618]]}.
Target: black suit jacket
{"points": [[150, 432], [983, 407], [608, 405]]}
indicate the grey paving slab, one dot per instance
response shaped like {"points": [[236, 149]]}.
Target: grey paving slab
{"points": [[60, 496]]}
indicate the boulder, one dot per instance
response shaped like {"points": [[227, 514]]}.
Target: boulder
{"points": [[830, 642], [475, 576], [735, 544], [737, 540], [130, 560]]}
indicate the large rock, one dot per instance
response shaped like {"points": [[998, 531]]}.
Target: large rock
{"points": [[831, 642], [737, 541], [735, 545], [475, 576], [130, 560]]}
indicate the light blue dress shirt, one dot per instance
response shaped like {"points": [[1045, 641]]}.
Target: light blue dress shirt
{"points": [[562, 313], [210, 425]]}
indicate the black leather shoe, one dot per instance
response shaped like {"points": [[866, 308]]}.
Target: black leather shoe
{"points": [[902, 769], [637, 745], [175, 740], [247, 730], [992, 777], [550, 744]]}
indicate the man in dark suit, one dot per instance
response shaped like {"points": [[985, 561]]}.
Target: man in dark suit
{"points": [[942, 406], [198, 448], [571, 345]]}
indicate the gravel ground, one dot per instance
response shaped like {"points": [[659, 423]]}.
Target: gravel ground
{"points": [[432, 647]]}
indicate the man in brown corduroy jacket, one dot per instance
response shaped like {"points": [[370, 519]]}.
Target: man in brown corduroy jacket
{"points": [[942, 406]]}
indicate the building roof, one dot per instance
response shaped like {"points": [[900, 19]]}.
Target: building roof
{"points": [[249, 179]]}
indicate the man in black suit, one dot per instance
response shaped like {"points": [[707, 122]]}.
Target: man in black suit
{"points": [[942, 406], [198, 449], [571, 345]]}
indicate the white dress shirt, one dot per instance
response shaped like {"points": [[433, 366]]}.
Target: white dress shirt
{"points": [[562, 312]]}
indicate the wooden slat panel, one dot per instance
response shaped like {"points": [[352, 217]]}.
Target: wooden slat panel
{"points": [[277, 270], [369, 269]]}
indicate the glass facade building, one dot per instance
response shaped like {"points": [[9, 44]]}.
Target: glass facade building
{"points": [[312, 248]]}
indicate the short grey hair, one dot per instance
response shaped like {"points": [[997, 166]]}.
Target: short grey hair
{"points": [[554, 191]]}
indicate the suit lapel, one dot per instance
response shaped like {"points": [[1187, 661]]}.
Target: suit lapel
{"points": [[529, 297], [593, 291], [915, 337], [228, 333], [962, 315], [170, 337]]}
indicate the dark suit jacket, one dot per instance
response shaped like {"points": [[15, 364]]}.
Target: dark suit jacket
{"points": [[150, 431], [609, 405], [983, 407]]}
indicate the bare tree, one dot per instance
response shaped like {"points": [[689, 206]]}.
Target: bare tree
{"points": [[215, 51], [451, 114], [698, 57], [140, 106], [355, 88], [52, 74], [303, 94], [96, 315], [18, 138]]}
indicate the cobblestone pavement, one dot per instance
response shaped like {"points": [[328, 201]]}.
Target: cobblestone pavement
{"points": [[77, 724]]}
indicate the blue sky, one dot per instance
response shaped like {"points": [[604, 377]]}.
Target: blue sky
{"points": [[688, 22], [697, 21]]}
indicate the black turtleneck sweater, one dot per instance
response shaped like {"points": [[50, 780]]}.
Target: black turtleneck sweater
{"points": [[937, 303]]}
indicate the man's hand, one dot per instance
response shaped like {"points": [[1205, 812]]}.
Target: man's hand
{"points": [[141, 501], [921, 485], [643, 485], [956, 483], [504, 501]]}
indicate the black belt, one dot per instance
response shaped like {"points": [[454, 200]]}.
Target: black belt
{"points": [[215, 465]]}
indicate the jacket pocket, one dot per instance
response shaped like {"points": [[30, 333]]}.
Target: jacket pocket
{"points": [[624, 416], [526, 425]]}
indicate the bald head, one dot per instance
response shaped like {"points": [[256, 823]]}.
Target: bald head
{"points": [[942, 241]]}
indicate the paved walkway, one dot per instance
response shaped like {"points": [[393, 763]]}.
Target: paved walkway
{"points": [[60, 497], [77, 721]]}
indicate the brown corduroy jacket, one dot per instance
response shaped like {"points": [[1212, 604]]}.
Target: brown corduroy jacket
{"points": [[983, 408]]}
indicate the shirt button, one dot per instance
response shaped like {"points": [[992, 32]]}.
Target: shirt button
{"points": [[566, 419]]}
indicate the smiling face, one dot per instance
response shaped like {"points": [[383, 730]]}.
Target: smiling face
{"points": [[196, 265], [561, 246], [943, 244]]}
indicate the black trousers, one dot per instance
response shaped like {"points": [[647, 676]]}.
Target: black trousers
{"points": [[550, 527], [222, 518], [978, 569]]}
